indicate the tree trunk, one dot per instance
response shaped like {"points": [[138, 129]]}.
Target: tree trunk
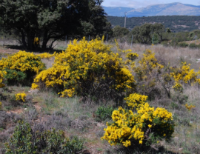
{"points": [[45, 40], [30, 38], [23, 39], [51, 46]]}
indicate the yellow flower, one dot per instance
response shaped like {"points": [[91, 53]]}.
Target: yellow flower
{"points": [[85, 62], [45, 55], [20, 97], [0, 105], [36, 41], [129, 126], [189, 107]]}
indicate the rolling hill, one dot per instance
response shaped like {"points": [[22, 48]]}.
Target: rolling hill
{"points": [[155, 10]]}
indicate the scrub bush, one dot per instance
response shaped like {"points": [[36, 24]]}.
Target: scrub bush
{"points": [[2, 74], [20, 97], [21, 67], [88, 69], [103, 113], [25, 140], [139, 125], [154, 79], [45, 55]]}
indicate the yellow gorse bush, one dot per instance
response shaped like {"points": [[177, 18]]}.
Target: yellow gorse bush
{"points": [[184, 75], [132, 128], [20, 97], [189, 107], [85, 68], [22, 61], [21, 64], [2, 73], [147, 64], [36, 41], [149, 73], [0, 105], [132, 56], [45, 55], [135, 100]]}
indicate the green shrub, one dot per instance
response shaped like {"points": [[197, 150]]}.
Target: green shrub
{"points": [[183, 44], [165, 43], [14, 76], [28, 141], [193, 45], [103, 113]]}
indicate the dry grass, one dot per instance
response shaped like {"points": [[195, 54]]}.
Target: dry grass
{"points": [[186, 138], [172, 55]]}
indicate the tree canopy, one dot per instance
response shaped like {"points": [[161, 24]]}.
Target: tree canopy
{"points": [[120, 31], [145, 33], [52, 19]]}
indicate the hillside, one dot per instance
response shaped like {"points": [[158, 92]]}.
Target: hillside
{"points": [[155, 10], [82, 121], [117, 11], [175, 23]]}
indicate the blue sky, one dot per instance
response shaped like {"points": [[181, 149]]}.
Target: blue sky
{"points": [[144, 3]]}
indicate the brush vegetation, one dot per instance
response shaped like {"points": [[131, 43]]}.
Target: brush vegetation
{"points": [[100, 98]]}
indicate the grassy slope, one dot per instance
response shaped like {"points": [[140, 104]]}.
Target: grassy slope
{"points": [[46, 104]]}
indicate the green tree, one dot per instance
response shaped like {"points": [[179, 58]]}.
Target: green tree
{"points": [[144, 33], [168, 30], [120, 31], [51, 19], [96, 24], [158, 29]]}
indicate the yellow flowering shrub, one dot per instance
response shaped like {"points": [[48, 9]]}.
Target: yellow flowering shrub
{"points": [[184, 75], [132, 56], [135, 100], [177, 87], [140, 125], [154, 79], [36, 41], [189, 107], [67, 92], [0, 105], [45, 55], [2, 74], [20, 97], [21, 67], [87, 68], [146, 73], [147, 64], [119, 50]]}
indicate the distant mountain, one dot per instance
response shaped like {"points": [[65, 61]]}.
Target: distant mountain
{"points": [[117, 11], [156, 10]]}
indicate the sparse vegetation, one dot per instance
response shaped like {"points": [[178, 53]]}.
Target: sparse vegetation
{"points": [[133, 127]]}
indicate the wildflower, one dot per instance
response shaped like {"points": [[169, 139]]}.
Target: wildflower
{"points": [[20, 97]]}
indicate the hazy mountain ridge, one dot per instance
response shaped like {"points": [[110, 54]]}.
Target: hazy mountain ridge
{"points": [[117, 11], [155, 10]]}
